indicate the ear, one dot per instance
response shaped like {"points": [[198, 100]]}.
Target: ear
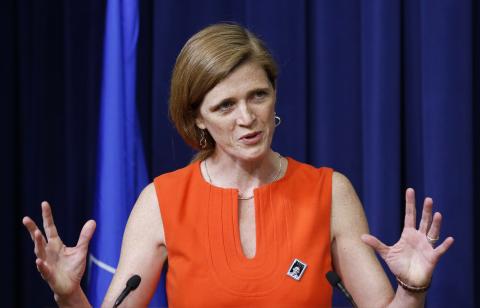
{"points": [[200, 122]]}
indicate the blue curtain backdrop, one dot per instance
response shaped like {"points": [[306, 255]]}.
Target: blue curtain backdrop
{"points": [[50, 68], [384, 91]]}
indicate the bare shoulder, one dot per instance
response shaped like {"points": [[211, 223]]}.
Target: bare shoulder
{"points": [[348, 219], [146, 216], [342, 189], [346, 205], [148, 197]]}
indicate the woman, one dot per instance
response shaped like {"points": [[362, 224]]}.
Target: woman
{"points": [[241, 219]]}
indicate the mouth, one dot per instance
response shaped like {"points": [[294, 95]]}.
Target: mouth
{"points": [[251, 138]]}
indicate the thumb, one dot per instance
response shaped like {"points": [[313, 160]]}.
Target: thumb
{"points": [[376, 244], [86, 233]]}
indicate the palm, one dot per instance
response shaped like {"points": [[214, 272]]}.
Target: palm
{"points": [[67, 264], [62, 267], [412, 258]]}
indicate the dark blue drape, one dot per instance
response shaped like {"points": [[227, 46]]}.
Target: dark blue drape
{"points": [[49, 96], [386, 92]]}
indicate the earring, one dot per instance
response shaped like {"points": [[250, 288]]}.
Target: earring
{"points": [[203, 139], [277, 120]]}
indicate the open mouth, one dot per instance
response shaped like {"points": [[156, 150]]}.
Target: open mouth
{"points": [[251, 138]]}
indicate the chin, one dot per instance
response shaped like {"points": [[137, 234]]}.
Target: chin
{"points": [[254, 154]]}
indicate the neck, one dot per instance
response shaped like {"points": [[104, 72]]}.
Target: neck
{"points": [[244, 175]]}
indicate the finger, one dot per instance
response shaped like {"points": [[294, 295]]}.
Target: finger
{"points": [[39, 244], [434, 231], [31, 226], [426, 216], [86, 233], [48, 224], [410, 211], [376, 244], [43, 269], [443, 247]]}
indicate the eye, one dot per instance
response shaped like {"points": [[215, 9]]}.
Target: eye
{"points": [[225, 106], [260, 94]]}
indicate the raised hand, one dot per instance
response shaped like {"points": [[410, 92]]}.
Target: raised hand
{"points": [[413, 258], [62, 267]]}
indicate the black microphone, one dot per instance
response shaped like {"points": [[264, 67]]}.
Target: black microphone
{"points": [[132, 284], [336, 282]]}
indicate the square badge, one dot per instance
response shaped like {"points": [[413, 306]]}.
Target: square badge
{"points": [[297, 269]]}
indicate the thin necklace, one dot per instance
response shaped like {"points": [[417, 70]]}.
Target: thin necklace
{"points": [[240, 197]]}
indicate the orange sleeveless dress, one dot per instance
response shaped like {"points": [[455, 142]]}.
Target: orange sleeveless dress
{"points": [[207, 267]]}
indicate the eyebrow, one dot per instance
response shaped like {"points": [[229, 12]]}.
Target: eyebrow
{"points": [[232, 99]]}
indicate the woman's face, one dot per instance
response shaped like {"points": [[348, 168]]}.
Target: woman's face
{"points": [[295, 271], [239, 113]]}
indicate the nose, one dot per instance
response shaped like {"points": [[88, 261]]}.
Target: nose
{"points": [[246, 116]]}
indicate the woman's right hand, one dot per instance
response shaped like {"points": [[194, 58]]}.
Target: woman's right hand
{"points": [[61, 267]]}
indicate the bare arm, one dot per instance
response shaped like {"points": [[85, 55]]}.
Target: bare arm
{"points": [[143, 252], [354, 261]]}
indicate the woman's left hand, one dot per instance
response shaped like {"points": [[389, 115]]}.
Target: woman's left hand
{"points": [[413, 258]]}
